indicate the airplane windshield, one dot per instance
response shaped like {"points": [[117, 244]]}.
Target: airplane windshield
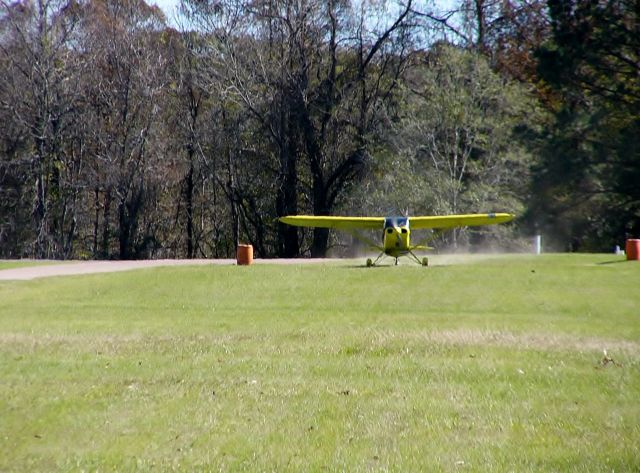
{"points": [[396, 222]]}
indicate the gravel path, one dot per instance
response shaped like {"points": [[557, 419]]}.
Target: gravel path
{"points": [[68, 268]]}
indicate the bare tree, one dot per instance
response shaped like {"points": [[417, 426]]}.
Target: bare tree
{"points": [[316, 76], [186, 108], [123, 86], [39, 98]]}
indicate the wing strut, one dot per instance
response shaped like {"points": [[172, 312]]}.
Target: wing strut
{"points": [[435, 233], [365, 239]]}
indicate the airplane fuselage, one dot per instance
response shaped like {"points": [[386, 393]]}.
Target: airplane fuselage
{"points": [[396, 236]]}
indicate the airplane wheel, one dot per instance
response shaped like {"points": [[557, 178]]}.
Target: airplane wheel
{"points": [[425, 261], [369, 263]]}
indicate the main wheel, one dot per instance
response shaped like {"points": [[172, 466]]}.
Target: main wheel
{"points": [[369, 263], [425, 261]]}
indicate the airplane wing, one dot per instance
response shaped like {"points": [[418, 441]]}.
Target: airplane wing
{"points": [[341, 223], [451, 221]]}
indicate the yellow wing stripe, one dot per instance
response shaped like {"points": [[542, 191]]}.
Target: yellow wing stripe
{"points": [[451, 221], [341, 223]]}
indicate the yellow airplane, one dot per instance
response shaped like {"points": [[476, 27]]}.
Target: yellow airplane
{"points": [[396, 230]]}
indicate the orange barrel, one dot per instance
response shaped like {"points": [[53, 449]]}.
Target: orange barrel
{"points": [[244, 255], [633, 249]]}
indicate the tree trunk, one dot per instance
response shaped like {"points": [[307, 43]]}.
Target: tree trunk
{"points": [[39, 214], [128, 220], [288, 246], [96, 221], [320, 235], [124, 230], [106, 223], [231, 193], [189, 189], [286, 198]]}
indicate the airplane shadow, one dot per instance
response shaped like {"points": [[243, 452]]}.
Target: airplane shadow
{"points": [[617, 261], [379, 266]]}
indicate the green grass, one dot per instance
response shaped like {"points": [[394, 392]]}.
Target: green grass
{"points": [[480, 365], [11, 264]]}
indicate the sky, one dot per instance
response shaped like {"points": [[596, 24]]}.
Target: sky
{"points": [[169, 6]]}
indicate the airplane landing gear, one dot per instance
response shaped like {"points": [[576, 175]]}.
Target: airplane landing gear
{"points": [[423, 262], [371, 263]]}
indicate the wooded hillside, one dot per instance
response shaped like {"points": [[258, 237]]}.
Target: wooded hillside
{"points": [[124, 135]]}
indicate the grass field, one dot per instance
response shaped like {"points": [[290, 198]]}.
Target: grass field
{"points": [[11, 264], [483, 364]]}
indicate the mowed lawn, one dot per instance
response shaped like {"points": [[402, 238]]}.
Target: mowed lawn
{"points": [[473, 364], [11, 264]]}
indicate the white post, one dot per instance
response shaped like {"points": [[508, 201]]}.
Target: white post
{"points": [[537, 244]]}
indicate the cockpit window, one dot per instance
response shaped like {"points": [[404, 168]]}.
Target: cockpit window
{"points": [[396, 222]]}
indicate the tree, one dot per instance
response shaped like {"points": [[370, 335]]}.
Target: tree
{"points": [[590, 167], [507, 32], [122, 87], [456, 144], [315, 76], [39, 99], [187, 106]]}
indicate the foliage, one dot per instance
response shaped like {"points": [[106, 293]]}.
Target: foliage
{"points": [[122, 90], [455, 147], [123, 137], [590, 166], [313, 77], [39, 98]]}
